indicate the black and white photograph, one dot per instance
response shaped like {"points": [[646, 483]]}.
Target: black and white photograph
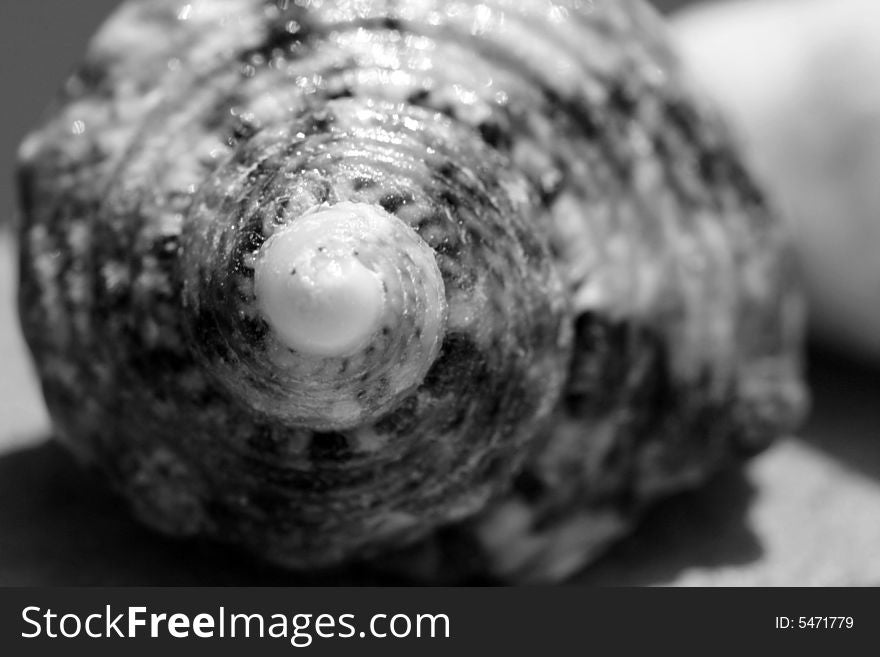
{"points": [[408, 293]]}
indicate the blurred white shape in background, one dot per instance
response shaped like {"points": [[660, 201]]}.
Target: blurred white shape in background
{"points": [[800, 79]]}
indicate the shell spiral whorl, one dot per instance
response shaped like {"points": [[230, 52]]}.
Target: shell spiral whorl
{"points": [[315, 276], [308, 172], [405, 402]]}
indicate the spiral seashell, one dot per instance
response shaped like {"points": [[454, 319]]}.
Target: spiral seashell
{"points": [[467, 284]]}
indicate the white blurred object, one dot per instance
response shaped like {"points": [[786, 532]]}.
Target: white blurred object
{"points": [[801, 81]]}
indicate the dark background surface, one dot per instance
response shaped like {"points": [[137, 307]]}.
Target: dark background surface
{"points": [[807, 512]]}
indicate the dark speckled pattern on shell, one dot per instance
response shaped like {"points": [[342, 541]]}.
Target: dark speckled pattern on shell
{"points": [[622, 314]]}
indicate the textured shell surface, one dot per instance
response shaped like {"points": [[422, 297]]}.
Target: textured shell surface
{"points": [[587, 302]]}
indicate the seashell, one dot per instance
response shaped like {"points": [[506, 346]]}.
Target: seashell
{"points": [[453, 288], [814, 140]]}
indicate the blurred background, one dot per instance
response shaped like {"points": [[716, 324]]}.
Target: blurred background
{"points": [[807, 512]]}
